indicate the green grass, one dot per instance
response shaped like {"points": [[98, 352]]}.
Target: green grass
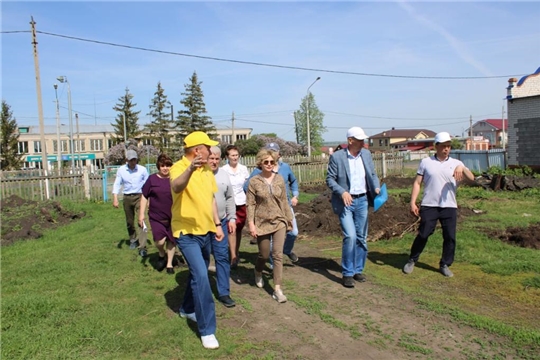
{"points": [[75, 295]]}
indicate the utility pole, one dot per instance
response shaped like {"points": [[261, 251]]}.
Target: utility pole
{"points": [[233, 138], [470, 132], [44, 159], [78, 140], [125, 135], [308, 132], [503, 137], [58, 143], [296, 128]]}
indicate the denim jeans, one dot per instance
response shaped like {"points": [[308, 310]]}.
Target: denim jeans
{"points": [[198, 297], [290, 238], [220, 251], [354, 225]]}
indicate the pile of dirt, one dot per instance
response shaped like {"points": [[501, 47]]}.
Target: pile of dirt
{"points": [[27, 219], [392, 220], [316, 218], [508, 182], [527, 237]]}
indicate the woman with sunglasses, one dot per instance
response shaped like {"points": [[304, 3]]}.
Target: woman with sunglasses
{"points": [[269, 217]]}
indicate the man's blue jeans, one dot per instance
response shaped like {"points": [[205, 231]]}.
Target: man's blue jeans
{"points": [[290, 238], [354, 225], [220, 251], [198, 297]]}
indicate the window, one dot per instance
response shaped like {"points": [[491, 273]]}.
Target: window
{"points": [[23, 147], [241, 137], [111, 143], [79, 145], [147, 141], [96, 145], [380, 142], [63, 146], [385, 142], [37, 146], [226, 139]]}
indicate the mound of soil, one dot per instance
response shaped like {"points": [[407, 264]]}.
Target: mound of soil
{"points": [[524, 237], [26, 219], [393, 219]]}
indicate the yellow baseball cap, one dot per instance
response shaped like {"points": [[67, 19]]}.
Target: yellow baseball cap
{"points": [[198, 138]]}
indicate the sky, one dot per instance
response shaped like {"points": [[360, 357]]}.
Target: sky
{"points": [[382, 65]]}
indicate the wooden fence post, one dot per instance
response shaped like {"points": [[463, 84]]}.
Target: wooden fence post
{"points": [[86, 182], [384, 165]]}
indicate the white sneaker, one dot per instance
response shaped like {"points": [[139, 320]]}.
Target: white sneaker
{"points": [[279, 297], [209, 341], [190, 316], [259, 279]]}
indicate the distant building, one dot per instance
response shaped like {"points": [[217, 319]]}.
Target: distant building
{"points": [[492, 130], [90, 144], [386, 140], [523, 102]]}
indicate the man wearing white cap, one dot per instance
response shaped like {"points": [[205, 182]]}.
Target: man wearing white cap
{"points": [[354, 184], [132, 177], [441, 175]]}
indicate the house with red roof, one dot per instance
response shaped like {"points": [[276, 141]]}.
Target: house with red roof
{"points": [[387, 140], [493, 130]]}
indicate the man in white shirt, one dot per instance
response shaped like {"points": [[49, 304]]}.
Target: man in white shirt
{"points": [[440, 174], [132, 177]]}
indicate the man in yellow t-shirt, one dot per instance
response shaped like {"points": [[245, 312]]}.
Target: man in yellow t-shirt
{"points": [[195, 221]]}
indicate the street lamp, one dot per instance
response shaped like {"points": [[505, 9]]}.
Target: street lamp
{"points": [[307, 120], [63, 79], [58, 145]]}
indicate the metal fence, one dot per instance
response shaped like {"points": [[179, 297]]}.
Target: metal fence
{"points": [[481, 160]]}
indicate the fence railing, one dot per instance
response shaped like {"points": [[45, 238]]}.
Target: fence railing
{"points": [[84, 185], [57, 185]]}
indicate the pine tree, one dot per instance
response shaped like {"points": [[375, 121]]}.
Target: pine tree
{"points": [[9, 140], [162, 121], [125, 109], [316, 127], [193, 118]]}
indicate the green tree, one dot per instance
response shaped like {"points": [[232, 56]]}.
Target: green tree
{"points": [[316, 127], [250, 146], [125, 108], [193, 117], [162, 121], [10, 159], [456, 144]]}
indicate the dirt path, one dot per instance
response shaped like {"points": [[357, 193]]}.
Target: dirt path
{"points": [[324, 320]]}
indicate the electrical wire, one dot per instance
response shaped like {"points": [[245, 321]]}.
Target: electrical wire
{"points": [[290, 67]]}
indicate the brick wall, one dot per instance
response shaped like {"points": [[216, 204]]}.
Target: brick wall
{"points": [[524, 130]]}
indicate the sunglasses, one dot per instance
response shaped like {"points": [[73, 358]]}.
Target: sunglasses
{"points": [[269, 162]]}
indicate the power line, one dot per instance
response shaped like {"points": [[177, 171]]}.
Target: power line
{"points": [[272, 65], [397, 118]]}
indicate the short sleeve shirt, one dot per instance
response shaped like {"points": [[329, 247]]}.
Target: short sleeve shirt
{"points": [[192, 210], [439, 182]]}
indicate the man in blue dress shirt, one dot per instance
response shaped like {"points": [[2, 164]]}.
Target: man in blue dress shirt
{"points": [[132, 177]]}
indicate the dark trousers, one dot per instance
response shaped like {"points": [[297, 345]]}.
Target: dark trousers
{"points": [[428, 222], [131, 209]]}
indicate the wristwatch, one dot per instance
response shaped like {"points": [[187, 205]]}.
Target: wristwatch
{"points": [[217, 224]]}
